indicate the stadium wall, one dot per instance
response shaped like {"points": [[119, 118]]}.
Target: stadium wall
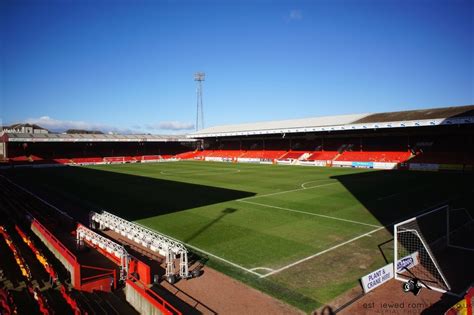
{"points": [[68, 259]]}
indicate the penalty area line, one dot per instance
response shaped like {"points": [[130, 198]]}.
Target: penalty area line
{"points": [[204, 252], [310, 213], [319, 253], [261, 268], [224, 260], [286, 191]]}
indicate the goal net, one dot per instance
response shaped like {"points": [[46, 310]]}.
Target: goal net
{"points": [[460, 224], [431, 247]]}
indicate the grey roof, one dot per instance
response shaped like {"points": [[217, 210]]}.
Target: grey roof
{"points": [[293, 123], [422, 114], [411, 118], [61, 137]]}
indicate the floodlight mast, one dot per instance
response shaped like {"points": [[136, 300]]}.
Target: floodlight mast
{"points": [[199, 77]]}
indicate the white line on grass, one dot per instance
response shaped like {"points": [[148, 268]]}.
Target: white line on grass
{"points": [[261, 268], [222, 259], [211, 172], [309, 213], [202, 251], [316, 181], [346, 242], [286, 191], [320, 253]]}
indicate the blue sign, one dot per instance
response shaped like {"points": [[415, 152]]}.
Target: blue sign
{"points": [[363, 164]]}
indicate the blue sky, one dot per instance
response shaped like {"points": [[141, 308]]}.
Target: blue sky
{"points": [[128, 65]]}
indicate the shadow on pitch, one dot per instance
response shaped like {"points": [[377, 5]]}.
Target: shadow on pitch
{"points": [[395, 196], [79, 190], [224, 213], [392, 196]]}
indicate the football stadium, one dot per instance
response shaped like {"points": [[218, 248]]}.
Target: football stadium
{"points": [[325, 214], [247, 157]]}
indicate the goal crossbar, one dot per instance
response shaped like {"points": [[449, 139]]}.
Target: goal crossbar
{"points": [[427, 258]]}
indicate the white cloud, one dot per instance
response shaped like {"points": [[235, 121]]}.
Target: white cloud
{"points": [[295, 15], [171, 125], [58, 125], [63, 125]]}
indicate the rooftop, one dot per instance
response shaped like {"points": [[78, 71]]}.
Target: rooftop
{"points": [[401, 119], [62, 137]]}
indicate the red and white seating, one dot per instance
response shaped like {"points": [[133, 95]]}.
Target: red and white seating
{"points": [[378, 156]]}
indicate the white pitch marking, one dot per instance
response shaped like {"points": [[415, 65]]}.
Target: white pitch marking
{"points": [[261, 268], [222, 259], [284, 192], [320, 253], [309, 213], [204, 252], [315, 181], [212, 172]]}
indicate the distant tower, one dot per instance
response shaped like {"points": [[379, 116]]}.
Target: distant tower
{"points": [[199, 77]]}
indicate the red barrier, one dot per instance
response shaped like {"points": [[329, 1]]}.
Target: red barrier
{"points": [[153, 297], [66, 253], [101, 284], [100, 281], [141, 269]]}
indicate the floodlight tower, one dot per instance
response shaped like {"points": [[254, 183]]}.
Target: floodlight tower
{"points": [[199, 77]]}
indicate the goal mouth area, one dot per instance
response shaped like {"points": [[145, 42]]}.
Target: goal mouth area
{"points": [[436, 247]]}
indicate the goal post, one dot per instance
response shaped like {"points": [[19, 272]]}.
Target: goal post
{"points": [[441, 235], [413, 255]]}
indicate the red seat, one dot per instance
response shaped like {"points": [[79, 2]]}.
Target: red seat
{"points": [[322, 156], [377, 156], [292, 155]]}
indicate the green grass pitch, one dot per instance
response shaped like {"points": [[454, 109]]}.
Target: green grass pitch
{"points": [[302, 234]]}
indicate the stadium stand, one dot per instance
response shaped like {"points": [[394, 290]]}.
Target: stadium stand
{"points": [[431, 136], [263, 154], [292, 155], [24, 149], [322, 155], [188, 155], [31, 254], [384, 156]]}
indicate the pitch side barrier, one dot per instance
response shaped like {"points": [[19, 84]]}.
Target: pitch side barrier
{"points": [[347, 164]]}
